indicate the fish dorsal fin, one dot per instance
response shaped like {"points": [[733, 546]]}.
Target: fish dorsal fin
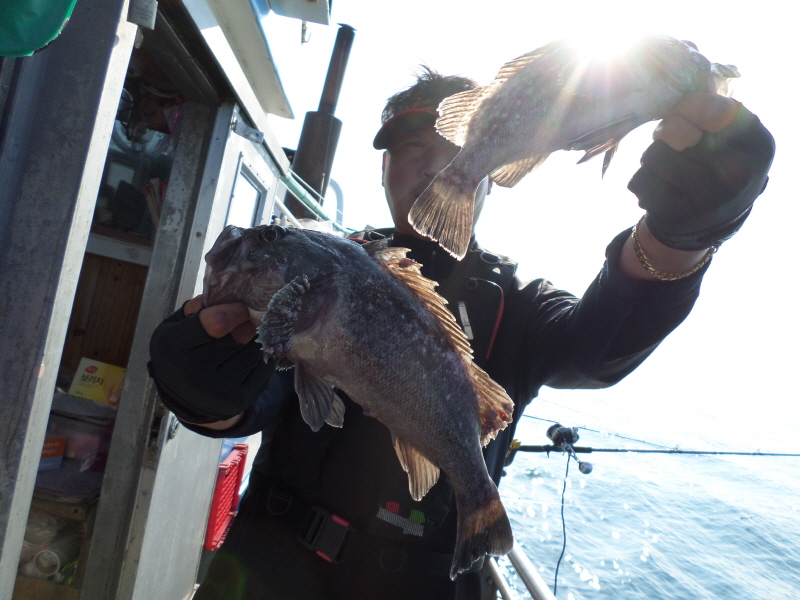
{"points": [[316, 397], [455, 113], [382, 252], [516, 65], [422, 473], [510, 175], [407, 271], [494, 406]]}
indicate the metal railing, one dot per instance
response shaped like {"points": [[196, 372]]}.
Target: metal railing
{"points": [[306, 196], [533, 581]]}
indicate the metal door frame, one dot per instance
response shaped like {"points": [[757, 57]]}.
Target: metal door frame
{"points": [[56, 123], [160, 476]]}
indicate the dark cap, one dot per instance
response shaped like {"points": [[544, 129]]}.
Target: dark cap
{"points": [[407, 120]]}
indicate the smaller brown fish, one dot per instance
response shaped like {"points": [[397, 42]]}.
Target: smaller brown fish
{"points": [[553, 98], [363, 319]]}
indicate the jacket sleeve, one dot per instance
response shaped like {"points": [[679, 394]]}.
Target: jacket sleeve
{"points": [[550, 337]]}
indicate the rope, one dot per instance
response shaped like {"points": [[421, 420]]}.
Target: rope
{"points": [[295, 187]]}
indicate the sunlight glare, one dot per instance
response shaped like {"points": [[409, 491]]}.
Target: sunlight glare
{"points": [[604, 47]]}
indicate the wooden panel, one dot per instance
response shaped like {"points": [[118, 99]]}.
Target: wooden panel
{"points": [[42, 589], [104, 314]]}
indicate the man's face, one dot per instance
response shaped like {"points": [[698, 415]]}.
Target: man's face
{"points": [[410, 163]]}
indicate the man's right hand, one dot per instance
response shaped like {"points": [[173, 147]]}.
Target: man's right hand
{"points": [[206, 365], [218, 321]]}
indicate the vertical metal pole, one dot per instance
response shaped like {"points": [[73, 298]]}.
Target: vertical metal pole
{"points": [[57, 124]]}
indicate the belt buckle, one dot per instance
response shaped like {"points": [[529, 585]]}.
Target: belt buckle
{"points": [[324, 533]]}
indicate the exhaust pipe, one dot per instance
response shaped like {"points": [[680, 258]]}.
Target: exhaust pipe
{"points": [[316, 148]]}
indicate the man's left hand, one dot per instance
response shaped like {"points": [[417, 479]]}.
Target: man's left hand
{"points": [[699, 178]]}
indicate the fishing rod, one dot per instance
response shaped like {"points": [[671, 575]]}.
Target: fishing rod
{"points": [[623, 437], [564, 438]]}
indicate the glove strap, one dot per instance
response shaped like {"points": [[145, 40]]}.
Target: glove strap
{"points": [[637, 247]]}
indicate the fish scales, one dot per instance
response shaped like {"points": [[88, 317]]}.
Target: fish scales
{"points": [[547, 100], [364, 320]]}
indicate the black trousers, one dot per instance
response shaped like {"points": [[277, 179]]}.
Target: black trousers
{"points": [[262, 558]]}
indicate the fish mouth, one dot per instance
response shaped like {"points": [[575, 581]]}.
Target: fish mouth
{"points": [[216, 288], [231, 286], [224, 287]]}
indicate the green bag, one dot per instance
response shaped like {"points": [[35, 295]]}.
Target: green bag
{"points": [[28, 25]]}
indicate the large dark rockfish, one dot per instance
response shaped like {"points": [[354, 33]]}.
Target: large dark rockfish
{"points": [[363, 319], [554, 98]]}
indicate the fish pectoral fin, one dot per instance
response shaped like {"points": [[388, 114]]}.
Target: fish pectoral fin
{"points": [[280, 318], [609, 147], [283, 364], [336, 416], [495, 407], [455, 112], [601, 139], [607, 158], [422, 473], [510, 175], [317, 398]]}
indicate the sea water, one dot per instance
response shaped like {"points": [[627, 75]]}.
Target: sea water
{"points": [[654, 526]]}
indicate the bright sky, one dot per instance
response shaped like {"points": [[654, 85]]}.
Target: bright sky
{"points": [[729, 368]]}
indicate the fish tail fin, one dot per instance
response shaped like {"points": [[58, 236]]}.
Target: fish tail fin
{"points": [[444, 212], [481, 532]]}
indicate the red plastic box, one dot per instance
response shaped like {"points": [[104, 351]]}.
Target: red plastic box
{"points": [[226, 497]]}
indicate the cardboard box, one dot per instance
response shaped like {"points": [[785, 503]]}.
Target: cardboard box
{"points": [[52, 454], [99, 381]]}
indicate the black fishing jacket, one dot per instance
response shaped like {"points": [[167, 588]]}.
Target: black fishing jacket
{"points": [[525, 335]]}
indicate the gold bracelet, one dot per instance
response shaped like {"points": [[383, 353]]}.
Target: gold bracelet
{"points": [[637, 247]]}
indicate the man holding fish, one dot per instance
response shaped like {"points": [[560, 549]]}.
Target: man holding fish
{"points": [[329, 514]]}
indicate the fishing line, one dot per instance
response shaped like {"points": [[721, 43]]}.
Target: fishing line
{"points": [[517, 447], [563, 530], [623, 437]]}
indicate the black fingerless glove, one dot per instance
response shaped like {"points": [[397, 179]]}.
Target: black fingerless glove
{"points": [[700, 197], [203, 379]]}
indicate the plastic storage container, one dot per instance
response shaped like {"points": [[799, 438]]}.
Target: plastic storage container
{"points": [[226, 497]]}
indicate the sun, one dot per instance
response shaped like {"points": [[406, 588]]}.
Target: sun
{"points": [[606, 47]]}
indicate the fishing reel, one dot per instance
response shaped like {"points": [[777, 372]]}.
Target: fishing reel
{"points": [[564, 438]]}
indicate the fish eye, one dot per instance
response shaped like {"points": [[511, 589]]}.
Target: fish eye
{"points": [[271, 233]]}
